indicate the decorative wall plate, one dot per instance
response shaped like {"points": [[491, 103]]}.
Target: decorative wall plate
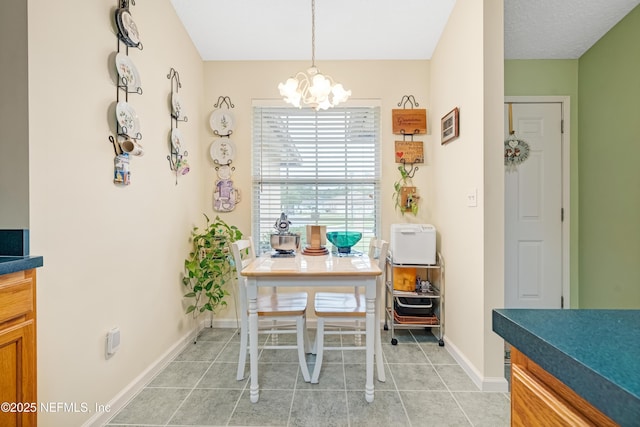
{"points": [[127, 72], [222, 151], [176, 140], [221, 122], [176, 106], [130, 27], [118, 17], [224, 172], [123, 31], [127, 119]]}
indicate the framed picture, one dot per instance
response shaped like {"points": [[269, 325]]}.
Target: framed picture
{"points": [[450, 125]]}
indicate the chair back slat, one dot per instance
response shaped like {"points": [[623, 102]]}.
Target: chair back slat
{"points": [[243, 254]]}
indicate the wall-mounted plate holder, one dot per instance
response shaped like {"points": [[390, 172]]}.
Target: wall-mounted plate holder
{"points": [[126, 33], [177, 155], [222, 152], [221, 120], [409, 122]]}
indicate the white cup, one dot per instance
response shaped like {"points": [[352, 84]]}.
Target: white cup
{"points": [[132, 147]]}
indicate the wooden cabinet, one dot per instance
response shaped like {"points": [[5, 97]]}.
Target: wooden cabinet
{"points": [[18, 349], [540, 399]]}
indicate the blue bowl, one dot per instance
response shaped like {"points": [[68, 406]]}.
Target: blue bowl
{"points": [[344, 240]]}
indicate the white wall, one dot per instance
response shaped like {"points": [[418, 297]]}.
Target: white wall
{"points": [[385, 81], [112, 255], [466, 72]]}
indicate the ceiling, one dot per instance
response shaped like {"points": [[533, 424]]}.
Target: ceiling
{"points": [[238, 30]]}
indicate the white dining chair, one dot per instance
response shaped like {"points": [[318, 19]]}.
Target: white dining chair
{"points": [[349, 310], [277, 307]]}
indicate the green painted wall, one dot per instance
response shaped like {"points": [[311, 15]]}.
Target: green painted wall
{"points": [[553, 78], [609, 168]]}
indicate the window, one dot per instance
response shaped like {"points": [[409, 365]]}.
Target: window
{"points": [[319, 167]]}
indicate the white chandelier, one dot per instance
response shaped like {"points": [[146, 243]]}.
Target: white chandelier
{"points": [[311, 87]]}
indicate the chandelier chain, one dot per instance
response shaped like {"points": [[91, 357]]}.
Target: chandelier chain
{"points": [[313, 33]]}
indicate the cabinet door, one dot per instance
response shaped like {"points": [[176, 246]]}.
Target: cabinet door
{"points": [[18, 380], [532, 403], [540, 399]]}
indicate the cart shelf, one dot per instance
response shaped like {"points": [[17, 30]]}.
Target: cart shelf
{"points": [[432, 301]]}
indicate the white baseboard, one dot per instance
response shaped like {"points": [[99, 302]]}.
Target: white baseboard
{"points": [[135, 386], [495, 384]]}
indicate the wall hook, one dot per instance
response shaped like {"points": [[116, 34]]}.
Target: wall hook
{"points": [[174, 76], [408, 99], [233, 168], [412, 168], [223, 100], [223, 164], [116, 146]]}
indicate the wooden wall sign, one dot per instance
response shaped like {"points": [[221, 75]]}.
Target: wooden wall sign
{"points": [[409, 121], [409, 152]]}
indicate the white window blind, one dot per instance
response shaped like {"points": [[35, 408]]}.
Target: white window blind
{"points": [[319, 167]]}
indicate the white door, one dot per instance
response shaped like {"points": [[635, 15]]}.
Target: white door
{"points": [[533, 209]]}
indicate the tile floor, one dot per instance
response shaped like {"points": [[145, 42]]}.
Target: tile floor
{"points": [[424, 387]]}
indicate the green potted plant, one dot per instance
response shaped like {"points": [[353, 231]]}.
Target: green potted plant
{"points": [[209, 266], [408, 203]]}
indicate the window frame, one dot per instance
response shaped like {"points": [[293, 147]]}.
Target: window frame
{"points": [[258, 181]]}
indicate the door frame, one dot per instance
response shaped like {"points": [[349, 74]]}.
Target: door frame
{"points": [[565, 107]]}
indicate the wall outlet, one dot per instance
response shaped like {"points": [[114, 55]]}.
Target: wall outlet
{"points": [[472, 198], [112, 342]]}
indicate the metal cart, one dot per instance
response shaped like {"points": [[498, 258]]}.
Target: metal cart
{"points": [[430, 302]]}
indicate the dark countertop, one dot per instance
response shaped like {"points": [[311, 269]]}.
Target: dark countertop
{"points": [[594, 352], [11, 264]]}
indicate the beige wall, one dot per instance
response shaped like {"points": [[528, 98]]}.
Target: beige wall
{"points": [[112, 255], [470, 62]]}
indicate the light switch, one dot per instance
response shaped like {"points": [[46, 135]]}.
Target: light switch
{"points": [[472, 198]]}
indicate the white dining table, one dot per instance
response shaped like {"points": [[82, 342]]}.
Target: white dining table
{"points": [[315, 271]]}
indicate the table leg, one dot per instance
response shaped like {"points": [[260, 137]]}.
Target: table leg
{"points": [[379, 358], [371, 334], [252, 294]]}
